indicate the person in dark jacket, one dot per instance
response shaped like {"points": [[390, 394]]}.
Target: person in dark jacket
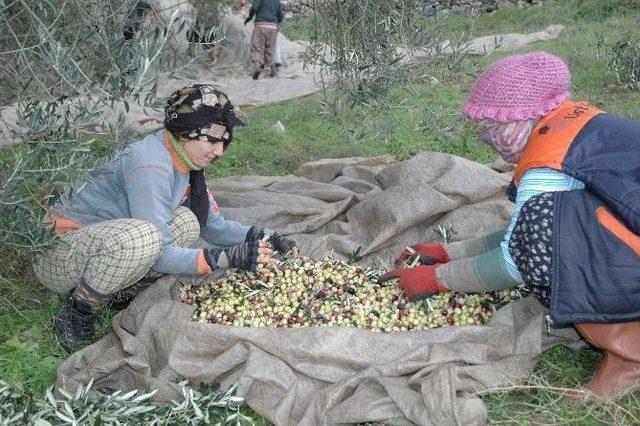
{"points": [[268, 17], [574, 235]]}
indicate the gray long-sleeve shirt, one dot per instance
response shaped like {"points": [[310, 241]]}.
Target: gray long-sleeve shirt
{"points": [[142, 182]]}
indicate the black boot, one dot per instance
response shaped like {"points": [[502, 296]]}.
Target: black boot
{"points": [[122, 298], [73, 324], [255, 75], [274, 71]]}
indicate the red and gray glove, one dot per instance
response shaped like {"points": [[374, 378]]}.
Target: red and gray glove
{"points": [[430, 254], [416, 283]]}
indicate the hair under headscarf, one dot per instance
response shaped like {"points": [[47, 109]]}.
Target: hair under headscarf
{"points": [[200, 112], [509, 139]]}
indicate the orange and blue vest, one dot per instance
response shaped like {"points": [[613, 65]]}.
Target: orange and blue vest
{"points": [[596, 242]]}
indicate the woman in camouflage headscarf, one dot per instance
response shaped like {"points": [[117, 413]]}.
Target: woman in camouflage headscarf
{"points": [[203, 118], [145, 211]]}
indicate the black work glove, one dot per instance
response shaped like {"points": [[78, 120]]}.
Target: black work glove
{"points": [[246, 21], [279, 242], [242, 256]]}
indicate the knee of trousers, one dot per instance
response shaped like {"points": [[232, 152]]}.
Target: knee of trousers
{"points": [[184, 227], [139, 243]]}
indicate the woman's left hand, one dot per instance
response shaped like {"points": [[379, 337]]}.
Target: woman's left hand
{"points": [[283, 244], [415, 283]]}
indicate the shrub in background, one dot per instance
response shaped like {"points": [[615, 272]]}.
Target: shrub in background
{"points": [[623, 59], [367, 47]]}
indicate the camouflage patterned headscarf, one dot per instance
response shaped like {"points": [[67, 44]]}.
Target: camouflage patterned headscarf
{"points": [[201, 112]]}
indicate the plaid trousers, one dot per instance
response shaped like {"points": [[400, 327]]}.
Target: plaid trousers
{"points": [[111, 255]]}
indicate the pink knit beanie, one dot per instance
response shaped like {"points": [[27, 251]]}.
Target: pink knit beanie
{"points": [[519, 87]]}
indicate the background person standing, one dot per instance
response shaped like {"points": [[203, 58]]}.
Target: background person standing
{"points": [[268, 16]]}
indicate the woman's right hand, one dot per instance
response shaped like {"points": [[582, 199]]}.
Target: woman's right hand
{"points": [[245, 256]]}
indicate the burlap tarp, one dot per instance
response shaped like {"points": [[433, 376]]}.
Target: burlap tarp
{"points": [[318, 376]]}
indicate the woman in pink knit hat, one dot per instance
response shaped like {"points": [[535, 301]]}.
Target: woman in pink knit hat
{"points": [[573, 237]]}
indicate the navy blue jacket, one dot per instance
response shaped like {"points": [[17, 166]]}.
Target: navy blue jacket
{"points": [[596, 246]]}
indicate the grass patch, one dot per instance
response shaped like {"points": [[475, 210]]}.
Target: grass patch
{"points": [[318, 129], [418, 116], [509, 18], [541, 400], [590, 27], [29, 354], [298, 28]]}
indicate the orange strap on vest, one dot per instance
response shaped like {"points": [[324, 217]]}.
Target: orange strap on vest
{"points": [[552, 136], [617, 228]]}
